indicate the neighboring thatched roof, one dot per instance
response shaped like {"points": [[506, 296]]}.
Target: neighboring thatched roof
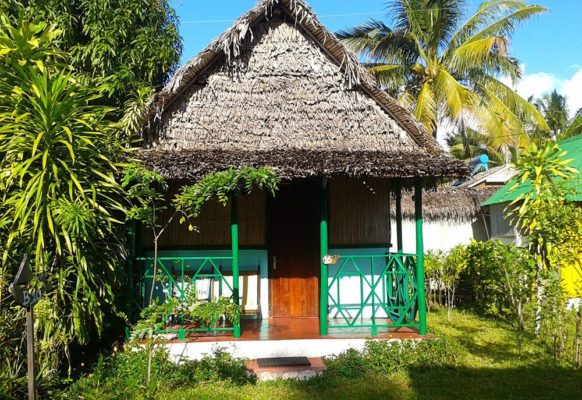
{"points": [[446, 204], [278, 89]]}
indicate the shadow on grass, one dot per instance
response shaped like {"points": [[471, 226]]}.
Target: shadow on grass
{"points": [[497, 383]]}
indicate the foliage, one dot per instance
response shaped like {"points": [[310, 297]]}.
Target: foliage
{"points": [[469, 143], [123, 375], [60, 200], [221, 186], [208, 312], [443, 272], [12, 361], [553, 107], [145, 189], [385, 357], [187, 311], [488, 366], [498, 276], [444, 69], [127, 43], [574, 126], [541, 213]]}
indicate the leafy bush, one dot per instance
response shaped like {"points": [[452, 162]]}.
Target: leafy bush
{"points": [[443, 272], [497, 272], [381, 357], [124, 375]]}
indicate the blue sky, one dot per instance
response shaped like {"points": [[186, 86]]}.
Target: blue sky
{"points": [[549, 46]]}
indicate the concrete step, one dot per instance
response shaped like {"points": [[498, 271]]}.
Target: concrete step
{"points": [[296, 373]]}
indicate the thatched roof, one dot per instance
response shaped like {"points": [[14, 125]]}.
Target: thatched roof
{"points": [[278, 89], [446, 204]]}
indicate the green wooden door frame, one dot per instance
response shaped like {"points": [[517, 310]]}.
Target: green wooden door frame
{"points": [[324, 248], [235, 257], [420, 256]]}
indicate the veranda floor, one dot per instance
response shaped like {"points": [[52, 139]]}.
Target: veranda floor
{"points": [[300, 328]]}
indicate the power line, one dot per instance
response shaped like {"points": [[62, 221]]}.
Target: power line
{"points": [[220, 21]]}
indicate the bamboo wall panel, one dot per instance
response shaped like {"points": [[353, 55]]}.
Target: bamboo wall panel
{"points": [[214, 226], [358, 212]]}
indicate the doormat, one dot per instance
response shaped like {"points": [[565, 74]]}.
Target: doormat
{"points": [[283, 362]]}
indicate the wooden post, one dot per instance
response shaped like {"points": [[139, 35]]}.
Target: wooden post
{"points": [[30, 353], [324, 248], [420, 257], [399, 216], [235, 257]]}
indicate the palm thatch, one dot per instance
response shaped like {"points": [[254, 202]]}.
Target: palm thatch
{"points": [[446, 204], [278, 89]]}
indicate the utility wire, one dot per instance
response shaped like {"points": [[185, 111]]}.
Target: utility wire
{"points": [[217, 21]]}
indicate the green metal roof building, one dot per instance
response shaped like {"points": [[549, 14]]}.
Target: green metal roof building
{"points": [[574, 148]]}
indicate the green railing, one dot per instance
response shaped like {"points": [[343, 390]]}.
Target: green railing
{"points": [[177, 275], [388, 292]]}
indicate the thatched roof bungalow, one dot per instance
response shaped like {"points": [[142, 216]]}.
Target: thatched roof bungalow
{"points": [[277, 89]]}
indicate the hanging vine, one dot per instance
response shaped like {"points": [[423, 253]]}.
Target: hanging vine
{"points": [[221, 186]]}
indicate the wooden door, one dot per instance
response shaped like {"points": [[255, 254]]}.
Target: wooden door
{"points": [[294, 244]]}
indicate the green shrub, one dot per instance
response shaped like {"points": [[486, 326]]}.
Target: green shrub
{"points": [[124, 375], [221, 366], [382, 356], [349, 364], [492, 267]]}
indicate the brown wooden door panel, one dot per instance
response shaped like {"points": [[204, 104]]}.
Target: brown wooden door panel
{"points": [[294, 241]]}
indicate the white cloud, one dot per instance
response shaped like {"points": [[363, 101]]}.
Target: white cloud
{"points": [[541, 83], [572, 89]]}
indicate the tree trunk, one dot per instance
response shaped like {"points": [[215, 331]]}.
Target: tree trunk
{"points": [[150, 357], [155, 271], [578, 334], [539, 298], [519, 325]]}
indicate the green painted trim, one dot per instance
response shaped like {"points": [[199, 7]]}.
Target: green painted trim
{"points": [[324, 248], [235, 257], [205, 248], [359, 246], [420, 257], [396, 283], [399, 216]]}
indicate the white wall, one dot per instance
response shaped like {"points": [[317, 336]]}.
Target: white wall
{"points": [[437, 235]]}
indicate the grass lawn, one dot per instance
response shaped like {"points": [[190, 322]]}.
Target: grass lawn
{"points": [[491, 367]]}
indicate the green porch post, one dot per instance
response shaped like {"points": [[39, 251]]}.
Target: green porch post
{"points": [[235, 257], [324, 248], [399, 216], [419, 257]]}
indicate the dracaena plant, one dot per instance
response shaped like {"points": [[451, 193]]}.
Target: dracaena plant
{"points": [[61, 202]]}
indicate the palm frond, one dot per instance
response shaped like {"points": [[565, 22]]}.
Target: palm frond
{"points": [[453, 94], [364, 39], [487, 11], [506, 25], [425, 110]]}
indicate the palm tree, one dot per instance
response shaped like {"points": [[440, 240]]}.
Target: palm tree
{"points": [[554, 108], [471, 144], [446, 71], [574, 126]]}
